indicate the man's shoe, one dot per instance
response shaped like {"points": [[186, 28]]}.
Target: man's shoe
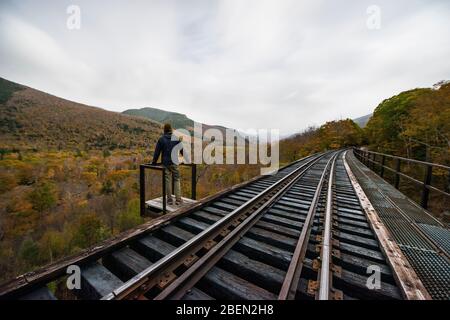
{"points": [[170, 202], [179, 202]]}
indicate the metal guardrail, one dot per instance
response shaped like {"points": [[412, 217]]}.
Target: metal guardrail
{"points": [[369, 158], [160, 167]]}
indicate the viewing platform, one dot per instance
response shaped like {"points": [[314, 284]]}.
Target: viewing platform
{"points": [[157, 204]]}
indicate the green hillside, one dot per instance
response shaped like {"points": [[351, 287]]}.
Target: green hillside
{"points": [[177, 120], [414, 123]]}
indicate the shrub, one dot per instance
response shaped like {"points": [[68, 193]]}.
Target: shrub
{"points": [[7, 182], [90, 231], [131, 216], [107, 187], [29, 252], [43, 196]]}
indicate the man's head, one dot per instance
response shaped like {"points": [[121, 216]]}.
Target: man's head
{"points": [[167, 128]]}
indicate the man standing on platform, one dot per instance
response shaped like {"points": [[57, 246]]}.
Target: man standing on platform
{"points": [[170, 145]]}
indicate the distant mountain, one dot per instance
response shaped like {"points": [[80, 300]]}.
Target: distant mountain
{"points": [[33, 119], [177, 120], [362, 121]]}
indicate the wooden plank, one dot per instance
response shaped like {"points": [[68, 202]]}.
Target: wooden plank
{"points": [[411, 286], [233, 202], [224, 285], [97, 282], [175, 235], [356, 285], [153, 248], [192, 225], [295, 206], [350, 210], [249, 191], [356, 240], [271, 238], [289, 209], [360, 265], [196, 294], [363, 232], [125, 263], [287, 215], [373, 255], [263, 252], [42, 293], [216, 211], [353, 223], [224, 206], [263, 275], [282, 221], [346, 202], [289, 232], [297, 200], [351, 216], [245, 194], [237, 197], [255, 189], [206, 217]]}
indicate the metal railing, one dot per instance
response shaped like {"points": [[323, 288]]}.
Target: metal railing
{"points": [[369, 158], [160, 167]]}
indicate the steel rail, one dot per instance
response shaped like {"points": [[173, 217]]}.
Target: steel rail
{"points": [[292, 277], [137, 286], [177, 289], [325, 280]]}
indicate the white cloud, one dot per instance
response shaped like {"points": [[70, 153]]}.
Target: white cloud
{"points": [[244, 64]]}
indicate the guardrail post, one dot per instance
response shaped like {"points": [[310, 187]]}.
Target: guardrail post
{"points": [[194, 182], [397, 176], [383, 161], [447, 188], [173, 185], [164, 195], [426, 183], [142, 189], [357, 153], [373, 161]]}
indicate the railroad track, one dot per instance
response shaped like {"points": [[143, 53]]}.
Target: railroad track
{"points": [[299, 234]]}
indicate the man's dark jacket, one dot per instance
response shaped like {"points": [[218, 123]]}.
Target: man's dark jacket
{"points": [[165, 145]]}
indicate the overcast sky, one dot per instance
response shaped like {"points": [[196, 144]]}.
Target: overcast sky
{"points": [[283, 64]]}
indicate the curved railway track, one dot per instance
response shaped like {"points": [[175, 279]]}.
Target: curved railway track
{"points": [[299, 234]]}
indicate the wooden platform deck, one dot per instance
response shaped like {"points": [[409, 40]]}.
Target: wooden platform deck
{"points": [[157, 204]]}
